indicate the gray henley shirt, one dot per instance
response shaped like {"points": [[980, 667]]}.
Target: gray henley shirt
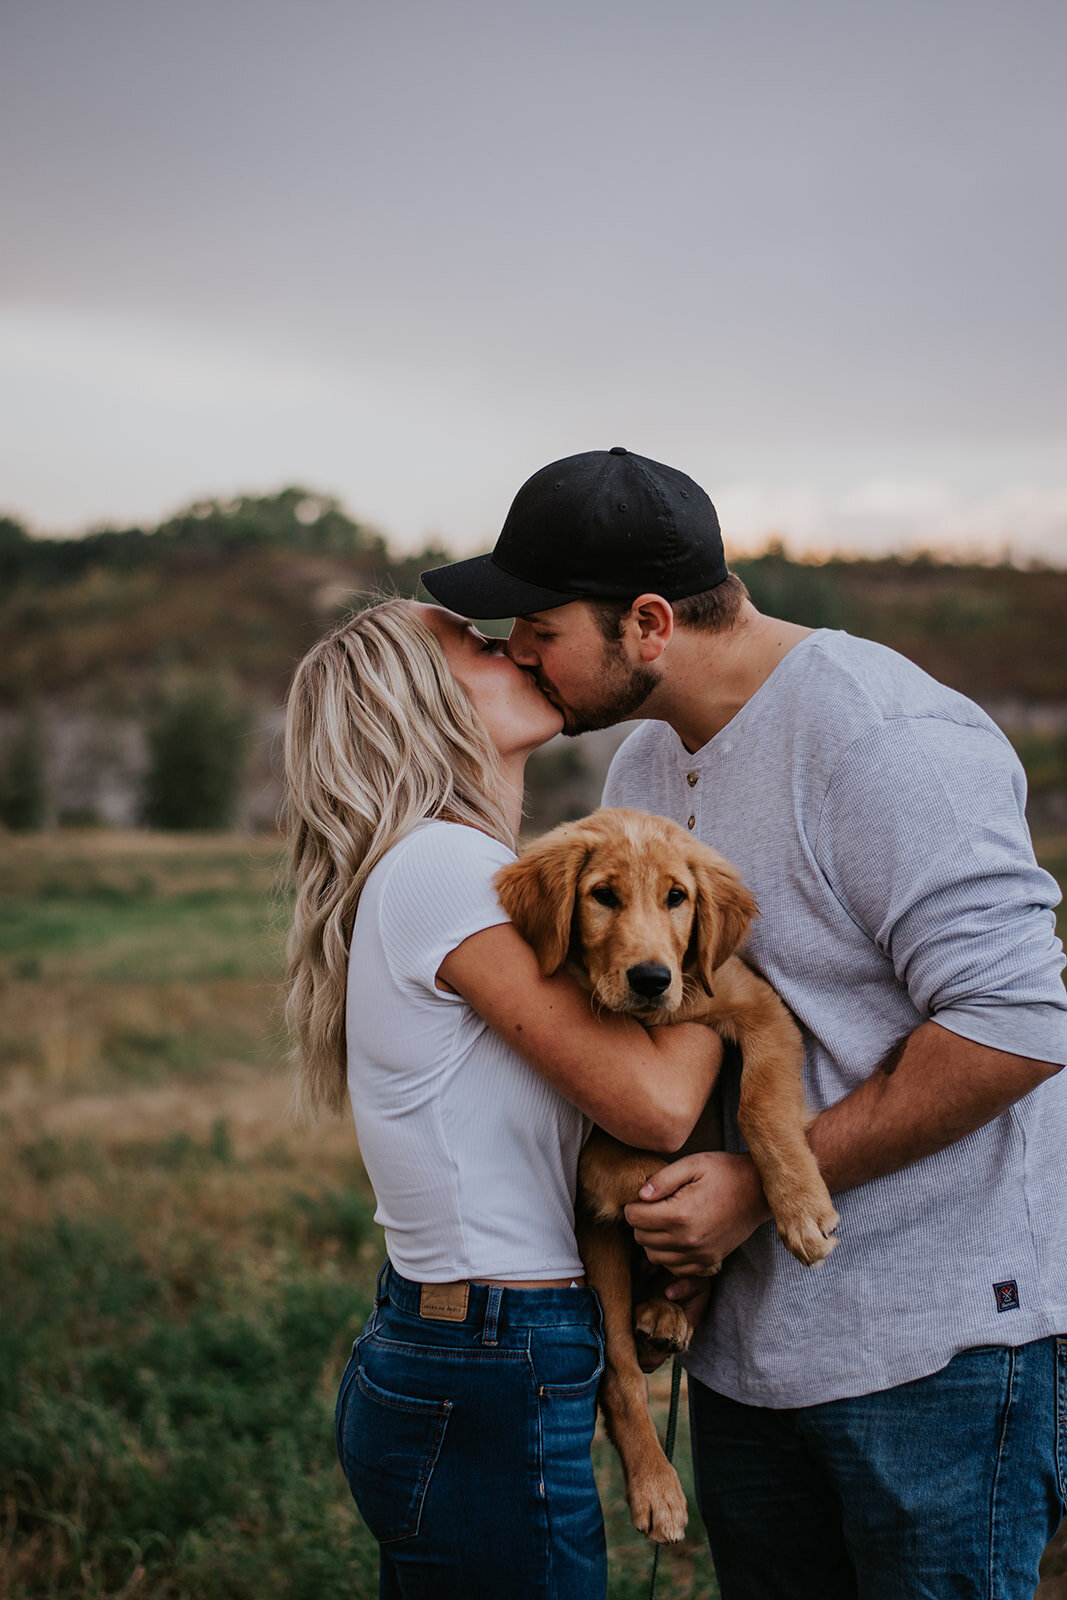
{"points": [[878, 817]]}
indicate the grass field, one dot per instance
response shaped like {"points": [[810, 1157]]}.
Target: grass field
{"points": [[181, 1269]]}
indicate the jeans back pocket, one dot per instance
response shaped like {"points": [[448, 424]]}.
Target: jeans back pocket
{"points": [[389, 1445]]}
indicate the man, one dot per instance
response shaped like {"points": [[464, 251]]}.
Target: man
{"points": [[887, 1425]]}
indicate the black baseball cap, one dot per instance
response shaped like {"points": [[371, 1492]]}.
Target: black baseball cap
{"points": [[605, 525]]}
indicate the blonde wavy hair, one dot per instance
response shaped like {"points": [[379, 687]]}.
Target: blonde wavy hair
{"points": [[379, 736]]}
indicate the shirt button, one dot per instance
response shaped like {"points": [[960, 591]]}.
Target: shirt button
{"points": [[691, 823], [691, 779]]}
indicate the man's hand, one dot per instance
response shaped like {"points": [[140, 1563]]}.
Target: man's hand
{"points": [[692, 1294], [693, 1213]]}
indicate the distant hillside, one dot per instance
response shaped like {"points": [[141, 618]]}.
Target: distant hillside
{"points": [[996, 633], [246, 585], [243, 588], [94, 628]]}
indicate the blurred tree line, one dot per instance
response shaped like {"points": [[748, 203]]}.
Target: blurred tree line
{"points": [[294, 519], [191, 630]]}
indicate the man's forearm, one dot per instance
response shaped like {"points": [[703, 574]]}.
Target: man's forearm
{"points": [[935, 1090], [932, 1092]]}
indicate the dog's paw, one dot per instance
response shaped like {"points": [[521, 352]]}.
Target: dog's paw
{"points": [[661, 1329], [809, 1235], [657, 1504]]}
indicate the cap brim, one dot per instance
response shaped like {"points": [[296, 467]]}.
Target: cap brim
{"points": [[479, 588]]}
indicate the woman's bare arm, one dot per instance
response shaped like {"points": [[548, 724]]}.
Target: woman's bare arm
{"points": [[645, 1086]]}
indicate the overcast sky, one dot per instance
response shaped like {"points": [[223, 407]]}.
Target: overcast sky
{"points": [[406, 253]]}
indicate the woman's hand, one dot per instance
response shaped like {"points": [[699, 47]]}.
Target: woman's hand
{"points": [[691, 1214]]}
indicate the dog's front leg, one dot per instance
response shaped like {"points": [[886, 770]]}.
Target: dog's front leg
{"points": [[611, 1174], [772, 1114], [653, 1491]]}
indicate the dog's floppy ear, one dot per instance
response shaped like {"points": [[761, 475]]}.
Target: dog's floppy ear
{"points": [[724, 910], [538, 890]]}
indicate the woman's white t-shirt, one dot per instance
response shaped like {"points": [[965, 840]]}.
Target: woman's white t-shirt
{"points": [[472, 1156]]}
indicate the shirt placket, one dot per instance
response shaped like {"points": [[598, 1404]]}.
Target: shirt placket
{"points": [[692, 797]]}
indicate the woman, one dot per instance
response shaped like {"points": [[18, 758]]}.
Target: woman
{"points": [[465, 1415]]}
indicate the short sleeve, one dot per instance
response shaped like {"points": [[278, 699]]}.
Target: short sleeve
{"points": [[438, 892], [923, 839]]}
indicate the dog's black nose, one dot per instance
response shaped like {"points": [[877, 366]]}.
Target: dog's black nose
{"points": [[648, 979]]}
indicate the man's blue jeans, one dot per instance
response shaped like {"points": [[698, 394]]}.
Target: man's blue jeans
{"points": [[466, 1444], [948, 1488]]}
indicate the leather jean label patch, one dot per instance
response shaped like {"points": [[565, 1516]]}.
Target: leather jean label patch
{"points": [[444, 1302]]}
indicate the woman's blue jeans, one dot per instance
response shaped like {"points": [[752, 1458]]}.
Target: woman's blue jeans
{"points": [[947, 1488], [466, 1443]]}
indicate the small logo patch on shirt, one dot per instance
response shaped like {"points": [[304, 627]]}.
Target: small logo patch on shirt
{"points": [[1007, 1295]]}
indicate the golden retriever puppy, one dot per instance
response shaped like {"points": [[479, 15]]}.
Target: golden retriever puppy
{"points": [[649, 920]]}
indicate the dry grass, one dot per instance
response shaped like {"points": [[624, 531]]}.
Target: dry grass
{"points": [[101, 1074]]}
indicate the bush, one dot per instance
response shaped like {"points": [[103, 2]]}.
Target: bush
{"points": [[22, 775], [196, 757], [1045, 758], [176, 1450], [796, 591]]}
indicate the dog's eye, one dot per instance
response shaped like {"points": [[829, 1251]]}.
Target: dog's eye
{"points": [[605, 895], [675, 897]]}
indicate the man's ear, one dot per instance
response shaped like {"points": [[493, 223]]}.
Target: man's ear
{"points": [[724, 910], [649, 626], [538, 893]]}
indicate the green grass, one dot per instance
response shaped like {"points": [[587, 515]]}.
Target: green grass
{"points": [[155, 963], [166, 1406], [188, 937], [182, 915]]}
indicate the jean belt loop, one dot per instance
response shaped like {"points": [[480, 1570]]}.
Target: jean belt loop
{"points": [[381, 1287], [492, 1313]]}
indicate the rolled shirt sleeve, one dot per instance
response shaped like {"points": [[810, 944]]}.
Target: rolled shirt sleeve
{"points": [[923, 839]]}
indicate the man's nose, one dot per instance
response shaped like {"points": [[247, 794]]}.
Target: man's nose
{"points": [[518, 647]]}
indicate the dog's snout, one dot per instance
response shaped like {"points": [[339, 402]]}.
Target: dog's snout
{"points": [[648, 979]]}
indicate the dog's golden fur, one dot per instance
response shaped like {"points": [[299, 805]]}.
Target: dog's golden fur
{"points": [[621, 899]]}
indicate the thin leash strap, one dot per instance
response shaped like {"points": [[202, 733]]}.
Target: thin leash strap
{"points": [[668, 1451]]}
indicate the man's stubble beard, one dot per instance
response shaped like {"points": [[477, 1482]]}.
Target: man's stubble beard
{"points": [[623, 691]]}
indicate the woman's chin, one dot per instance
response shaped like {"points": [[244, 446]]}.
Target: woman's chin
{"points": [[552, 726], [555, 715]]}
